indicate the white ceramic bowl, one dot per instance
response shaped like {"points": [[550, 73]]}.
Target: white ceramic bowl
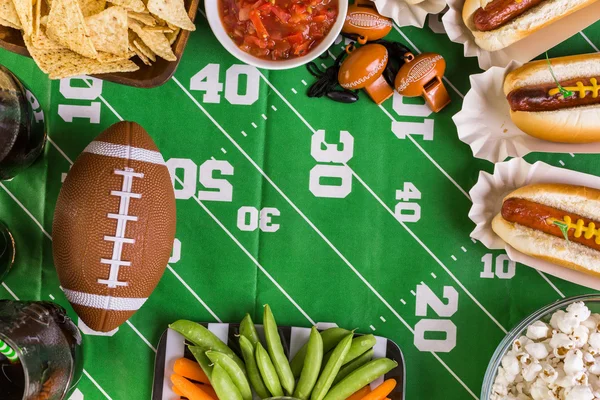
{"points": [[214, 20]]}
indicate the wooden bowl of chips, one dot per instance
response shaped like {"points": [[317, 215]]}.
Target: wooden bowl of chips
{"points": [[131, 42]]}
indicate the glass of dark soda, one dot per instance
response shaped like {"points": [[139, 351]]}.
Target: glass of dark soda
{"points": [[40, 351]]}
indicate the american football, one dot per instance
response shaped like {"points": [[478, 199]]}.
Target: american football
{"points": [[114, 226], [367, 23]]}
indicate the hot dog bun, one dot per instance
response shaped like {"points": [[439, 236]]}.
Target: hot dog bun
{"points": [[531, 21], [572, 199], [569, 125]]}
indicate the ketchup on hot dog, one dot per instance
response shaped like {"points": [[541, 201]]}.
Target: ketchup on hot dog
{"points": [[500, 12]]}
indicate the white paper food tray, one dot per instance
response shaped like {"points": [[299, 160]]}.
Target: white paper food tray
{"points": [[524, 50], [405, 14], [484, 123], [490, 190]]}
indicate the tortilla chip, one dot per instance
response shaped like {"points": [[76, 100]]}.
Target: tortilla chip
{"points": [[156, 41], [163, 29], [172, 37], [91, 7], [109, 58], [65, 63], [9, 14], [43, 42], [37, 13], [24, 9], [139, 45], [144, 18], [67, 27], [108, 30], [44, 20], [142, 57], [133, 5], [172, 11], [8, 24]]}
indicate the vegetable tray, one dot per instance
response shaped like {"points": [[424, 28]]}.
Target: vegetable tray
{"points": [[173, 346]]}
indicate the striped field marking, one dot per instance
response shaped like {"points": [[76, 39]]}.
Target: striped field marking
{"points": [[84, 371], [209, 116]]}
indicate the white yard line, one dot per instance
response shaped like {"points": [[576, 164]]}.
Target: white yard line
{"points": [[59, 149], [84, 371], [589, 41], [184, 283], [26, 210], [550, 283], [141, 336], [374, 195]]}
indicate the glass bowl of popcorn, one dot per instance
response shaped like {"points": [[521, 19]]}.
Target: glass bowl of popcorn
{"points": [[552, 354]]}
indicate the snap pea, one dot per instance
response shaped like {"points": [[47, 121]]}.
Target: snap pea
{"points": [[312, 366], [252, 368], [237, 375], [275, 348], [332, 368], [360, 378], [223, 385], [331, 337], [204, 338], [248, 329], [204, 362], [359, 345], [353, 365], [267, 371]]}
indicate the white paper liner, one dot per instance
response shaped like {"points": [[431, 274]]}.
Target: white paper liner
{"points": [[405, 14], [524, 50], [490, 190], [484, 123]]}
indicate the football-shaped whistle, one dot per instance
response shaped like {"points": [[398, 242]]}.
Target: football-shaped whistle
{"points": [[422, 76], [363, 69], [114, 226], [366, 23]]}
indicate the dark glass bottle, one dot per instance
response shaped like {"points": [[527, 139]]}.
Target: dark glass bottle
{"points": [[7, 251], [22, 128]]}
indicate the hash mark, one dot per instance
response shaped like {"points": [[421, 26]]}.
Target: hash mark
{"points": [[223, 150], [294, 90], [274, 108], [304, 82], [372, 328], [264, 117], [212, 158], [433, 275], [402, 301], [561, 162], [63, 176], [463, 248], [473, 240], [382, 319], [323, 65], [413, 293], [254, 125], [244, 133], [52, 297], [572, 155], [454, 258]]}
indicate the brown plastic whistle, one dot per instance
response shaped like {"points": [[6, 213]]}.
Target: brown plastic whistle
{"points": [[422, 76]]}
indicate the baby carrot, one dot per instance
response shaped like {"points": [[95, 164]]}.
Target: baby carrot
{"points": [[189, 389], [381, 391], [177, 391], [190, 369], [360, 394]]}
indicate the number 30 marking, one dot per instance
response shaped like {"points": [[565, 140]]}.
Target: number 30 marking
{"points": [[337, 155]]}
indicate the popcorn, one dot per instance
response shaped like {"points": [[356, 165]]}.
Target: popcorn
{"points": [[559, 360]]}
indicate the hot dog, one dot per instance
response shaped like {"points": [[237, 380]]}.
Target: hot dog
{"points": [[539, 108], [555, 222], [497, 24]]}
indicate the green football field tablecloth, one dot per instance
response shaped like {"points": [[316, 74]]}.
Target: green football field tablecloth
{"points": [[294, 202]]}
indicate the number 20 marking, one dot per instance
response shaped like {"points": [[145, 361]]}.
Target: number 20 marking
{"points": [[222, 189], [427, 299], [207, 80]]}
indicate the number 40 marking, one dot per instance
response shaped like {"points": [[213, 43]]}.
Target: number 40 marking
{"points": [[207, 80]]}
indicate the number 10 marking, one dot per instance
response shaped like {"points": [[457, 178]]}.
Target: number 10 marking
{"points": [[504, 268]]}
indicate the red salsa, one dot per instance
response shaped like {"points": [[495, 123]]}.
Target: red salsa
{"points": [[278, 29]]}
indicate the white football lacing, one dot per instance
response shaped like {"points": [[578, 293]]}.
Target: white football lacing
{"points": [[122, 218]]}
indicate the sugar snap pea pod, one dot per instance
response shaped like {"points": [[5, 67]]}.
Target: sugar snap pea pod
{"points": [[267, 370], [275, 348], [359, 345], [312, 366], [331, 337], [354, 365], [248, 329], [237, 375], [252, 368], [223, 385], [204, 338], [332, 368], [204, 362], [360, 378]]}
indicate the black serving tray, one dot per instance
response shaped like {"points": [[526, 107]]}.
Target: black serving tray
{"points": [[173, 346]]}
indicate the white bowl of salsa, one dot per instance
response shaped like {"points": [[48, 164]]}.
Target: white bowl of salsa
{"points": [[276, 34]]}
